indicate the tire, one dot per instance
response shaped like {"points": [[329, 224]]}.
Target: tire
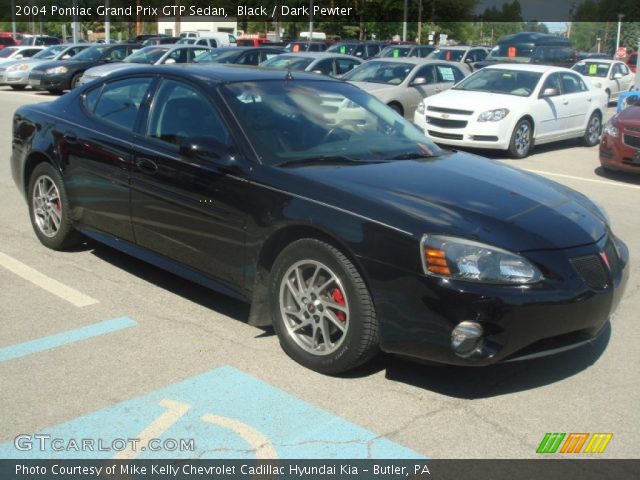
{"points": [[521, 142], [396, 108], [49, 209], [18, 87], [74, 81], [593, 131], [55, 91], [339, 306]]}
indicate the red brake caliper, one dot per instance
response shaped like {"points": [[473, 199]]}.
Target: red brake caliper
{"points": [[337, 296]]}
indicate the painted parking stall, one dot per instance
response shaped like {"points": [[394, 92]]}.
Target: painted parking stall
{"points": [[221, 414]]}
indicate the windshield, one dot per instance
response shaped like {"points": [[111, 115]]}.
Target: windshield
{"points": [[396, 52], [319, 122], [391, 73], [91, 53], [217, 55], [50, 52], [289, 62], [446, 54], [592, 69], [497, 80], [186, 41], [149, 55], [516, 52], [5, 52]]}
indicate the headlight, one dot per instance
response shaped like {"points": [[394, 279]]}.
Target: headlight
{"points": [[20, 67], [461, 259], [421, 108], [493, 115], [56, 70], [611, 130]]}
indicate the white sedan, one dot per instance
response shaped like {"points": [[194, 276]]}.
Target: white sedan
{"points": [[512, 107], [9, 54], [611, 76]]}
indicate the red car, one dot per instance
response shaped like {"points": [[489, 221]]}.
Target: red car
{"points": [[632, 61], [6, 40], [620, 143]]}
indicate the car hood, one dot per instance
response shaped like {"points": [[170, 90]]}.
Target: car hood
{"points": [[71, 64], [629, 117], [462, 195], [476, 101]]}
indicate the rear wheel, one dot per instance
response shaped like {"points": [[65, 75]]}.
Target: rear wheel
{"points": [[594, 130], [521, 139], [18, 87], [49, 209], [54, 91], [322, 310], [397, 108]]}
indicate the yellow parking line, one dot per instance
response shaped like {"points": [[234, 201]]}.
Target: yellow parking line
{"points": [[61, 290]]}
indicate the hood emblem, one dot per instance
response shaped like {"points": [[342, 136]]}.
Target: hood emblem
{"points": [[445, 115]]}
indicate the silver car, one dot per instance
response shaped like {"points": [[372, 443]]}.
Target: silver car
{"points": [[326, 63], [402, 83], [16, 73], [151, 55]]}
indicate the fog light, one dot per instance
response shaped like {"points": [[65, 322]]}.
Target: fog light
{"points": [[466, 338]]}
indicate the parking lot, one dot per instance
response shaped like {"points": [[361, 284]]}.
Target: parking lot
{"points": [[95, 344]]}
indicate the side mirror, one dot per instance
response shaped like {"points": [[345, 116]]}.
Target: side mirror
{"points": [[18, 56], [207, 149], [617, 76], [419, 81], [317, 71], [66, 57], [549, 92], [468, 60], [170, 61]]}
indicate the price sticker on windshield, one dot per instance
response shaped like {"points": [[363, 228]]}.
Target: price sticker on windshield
{"points": [[396, 53], [343, 49], [593, 69], [511, 52]]}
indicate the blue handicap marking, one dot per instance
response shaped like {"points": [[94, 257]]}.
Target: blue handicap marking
{"points": [[59, 339], [228, 414]]}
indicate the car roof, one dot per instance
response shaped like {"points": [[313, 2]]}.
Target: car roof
{"points": [[414, 60], [599, 60], [318, 55], [228, 73], [529, 68]]}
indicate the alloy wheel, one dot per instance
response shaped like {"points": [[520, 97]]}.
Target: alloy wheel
{"points": [[523, 139], [314, 307], [593, 130], [47, 207]]}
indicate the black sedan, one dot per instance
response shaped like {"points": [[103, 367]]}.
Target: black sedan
{"points": [[239, 55], [60, 75], [341, 224]]}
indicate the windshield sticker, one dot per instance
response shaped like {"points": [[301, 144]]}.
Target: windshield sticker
{"points": [[447, 74], [511, 52], [593, 69], [343, 49], [396, 53]]}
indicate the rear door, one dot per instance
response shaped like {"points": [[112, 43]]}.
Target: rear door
{"points": [[188, 210]]}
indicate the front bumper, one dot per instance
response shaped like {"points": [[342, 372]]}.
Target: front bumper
{"points": [[42, 81], [464, 130], [417, 314], [15, 77], [617, 154]]}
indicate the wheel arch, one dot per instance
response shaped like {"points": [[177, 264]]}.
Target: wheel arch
{"points": [[397, 104], [260, 314], [528, 117], [34, 159]]}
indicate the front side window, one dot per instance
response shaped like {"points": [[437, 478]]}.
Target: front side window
{"points": [[324, 66], [446, 73], [553, 81], [120, 101], [289, 62], [344, 65], [572, 83], [180, 112]]}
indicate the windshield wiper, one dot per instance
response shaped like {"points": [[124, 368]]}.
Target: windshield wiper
{"points": [[413, 156], [320, 160]]}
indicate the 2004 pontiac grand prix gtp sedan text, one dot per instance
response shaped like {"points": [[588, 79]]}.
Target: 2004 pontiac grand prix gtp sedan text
{"points": [[338, 220]]}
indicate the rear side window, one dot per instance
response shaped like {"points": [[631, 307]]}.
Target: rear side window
{"points": [[344, 65], [446, 73], [120, 101], [573, 83]]}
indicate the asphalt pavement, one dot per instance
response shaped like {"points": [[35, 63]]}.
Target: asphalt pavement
{"points": [[95, 344]]}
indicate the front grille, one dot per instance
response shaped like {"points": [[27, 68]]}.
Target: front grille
{"points": [[450, 110], [592, 270], [632, 141], [450, 136], [445, 123]]}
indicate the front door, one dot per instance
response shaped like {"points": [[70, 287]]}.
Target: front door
{"points": [[186, 209]]}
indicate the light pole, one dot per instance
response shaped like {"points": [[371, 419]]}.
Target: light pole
{"points": [[13, 18], [107, 24], [620, 17], [598, 43], [404, 23], [310, 22]]}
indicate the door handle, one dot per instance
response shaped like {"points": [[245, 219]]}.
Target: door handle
{"points": [[70, 137], [146, 165], [565, 102]]}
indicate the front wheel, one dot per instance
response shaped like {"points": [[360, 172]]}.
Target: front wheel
{"points": [[49, 209], [75, 81], [18, 87], [594, 129], [521, 140], [322, 310]]}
